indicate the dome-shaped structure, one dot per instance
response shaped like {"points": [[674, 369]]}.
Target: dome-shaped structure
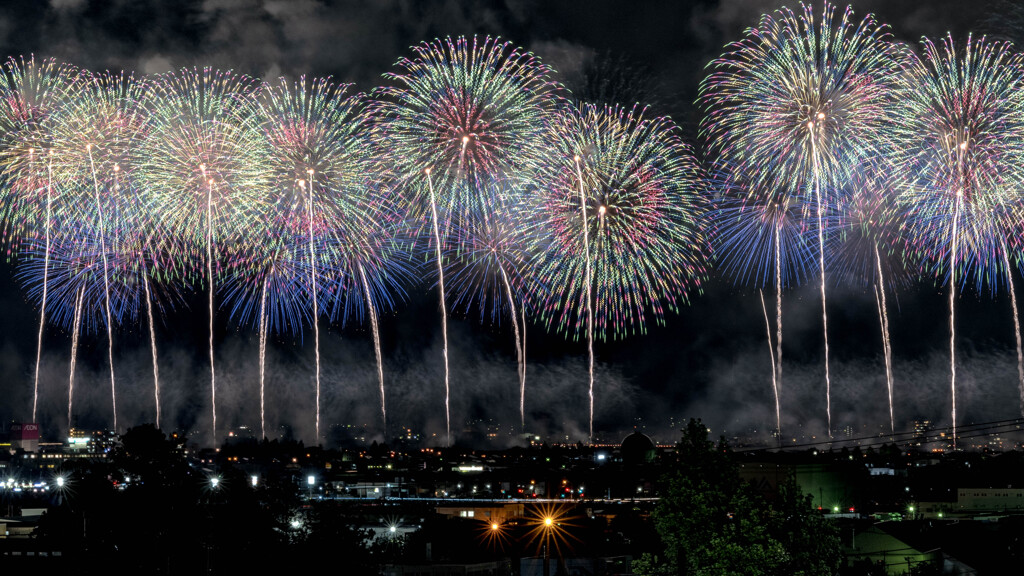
{"points": [[638, 448]]}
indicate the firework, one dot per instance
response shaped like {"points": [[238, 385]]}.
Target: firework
{"points": [[797, 103], [487, 265], [468, 109], [269, 287], [371, 260], [461, 112], [316, 154], [93, 144], [871, 250], [760, 239], [958, 156], [639, 236], [32, 96], [203, 169]]}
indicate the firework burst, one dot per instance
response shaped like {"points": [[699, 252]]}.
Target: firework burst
{"points": [[872, 250], [468, 109], [761, 239]]}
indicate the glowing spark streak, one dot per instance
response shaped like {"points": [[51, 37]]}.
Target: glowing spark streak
{"points": [[263, 352], [106, 283], [821, 262], [74, 349], [775, 383], [46, 268], [590, 307], [152, 346], [778, 306], [519, 350], [316, 312], [376, 348], [209, 276], [462, 155], [952, 323], [522, 383], [883, 320], [444, 312], [1016, 327]]}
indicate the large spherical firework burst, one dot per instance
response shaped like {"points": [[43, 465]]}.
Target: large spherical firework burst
{"points": [[957, 154], [317, 152], [204, 173], [642, 206], [797, 93], [205, 153], [32, 94], [469, 110]]}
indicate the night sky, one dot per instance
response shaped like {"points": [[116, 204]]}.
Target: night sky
{"points": [[710, 361]]}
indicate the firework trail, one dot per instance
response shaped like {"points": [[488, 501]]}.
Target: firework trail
{"points": [[589, 287], [462, 112], [775, 383], [761, 240], [1016, 324], [376, 349], [203, 167], [641, 240], [957, 152], [371, 262], [487, 260], [46, 266], [797, 102], [263, 359], [106, 282], [316, 311], [444, 308], [74, 351], [267, 286], [868, 225]]}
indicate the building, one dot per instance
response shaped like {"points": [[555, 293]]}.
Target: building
{"points": [[25, 436]]}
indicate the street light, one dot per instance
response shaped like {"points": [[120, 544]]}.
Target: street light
{"points": [[311, 480], [548, 522]]}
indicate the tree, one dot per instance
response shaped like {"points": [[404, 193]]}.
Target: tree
{"points": [[712, 523]]}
